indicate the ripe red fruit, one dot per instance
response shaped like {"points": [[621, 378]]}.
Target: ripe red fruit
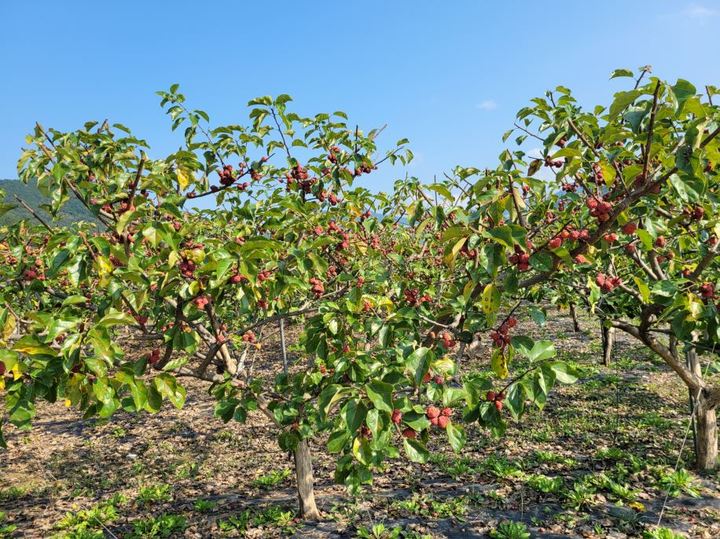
{"points": [[580, 259], [432, 412], [443, 422], [630, 248], [30, 275], [438, 379], [629, 228], [707, 290], [201, 302], [237, 278], [447, 412], [555, 243], [500, 397], [660, 242], [499, 405], [154, 356], [434, 421], [396, 416], [409, 433], [610, 238], [427, 378], [490, 395]]}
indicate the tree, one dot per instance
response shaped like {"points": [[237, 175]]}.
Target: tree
{"points": [[384, 289], [630, 219]]}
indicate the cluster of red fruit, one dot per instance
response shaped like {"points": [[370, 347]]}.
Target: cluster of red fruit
{"points": [[317, 287], [438, 418], [249, 337], [496, 398], [331, 197], [413, 298], [201, 302], [569, 187], [553, 163], [31, 274], [264, 275], [607, 283], [363, 169], [154, 356], [298, 174], [500, 337], [598, 174], [707, 290], [520, 258], [187, 267], [599, 208]]}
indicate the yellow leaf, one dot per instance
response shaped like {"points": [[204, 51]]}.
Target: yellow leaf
{"points": [[490, 301], [9, 327], [68, 403], [184, 178], [499, 364]]}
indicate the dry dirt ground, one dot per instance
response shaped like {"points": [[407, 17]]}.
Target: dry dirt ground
{"points": [[599, 461]]}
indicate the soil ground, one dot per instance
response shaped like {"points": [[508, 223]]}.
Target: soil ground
{"points": [[598, 461]]}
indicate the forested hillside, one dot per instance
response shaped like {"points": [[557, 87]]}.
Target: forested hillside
{"points": [[72, 212]]}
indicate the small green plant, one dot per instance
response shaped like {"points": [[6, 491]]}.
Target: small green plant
{"points": [[427, 506], [272, 479], [6, 530], [661, 533], [204, 506], [379, 531], [543, 483], [677, 482], [165, 525], [238, 523], [187, 470], [90, 523], [510, 530], [119, 432], [154, 494], [580, 496]]}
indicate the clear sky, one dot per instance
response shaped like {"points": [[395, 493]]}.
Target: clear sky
{"points": [[447, 75]]}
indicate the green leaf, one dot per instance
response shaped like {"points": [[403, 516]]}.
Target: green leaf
{"points": [[418, 363], [541, 350], [456, 437], [415, 450], [380, 394], [621, 73]]}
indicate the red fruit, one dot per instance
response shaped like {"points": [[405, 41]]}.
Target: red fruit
{"points": [[30, 275], [396, 416], [427, 378], [629, 228], [580, 259], [630, 248], [490, 395], [237, 278], [409, 433], [511, 322], [555, 243], [707, 290], [686, 272], [434, 421], [500, 397], [432, 412], [698, 213], [447, 412], [201, 302], [499, 405], [438, 379], [660, 242], [443, 422], [154, 356], [610, 238]]}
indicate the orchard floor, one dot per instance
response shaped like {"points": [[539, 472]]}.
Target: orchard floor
{"points": [[599, 461]]}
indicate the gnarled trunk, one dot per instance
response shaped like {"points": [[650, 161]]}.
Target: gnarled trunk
{"points": [[305, 482]]}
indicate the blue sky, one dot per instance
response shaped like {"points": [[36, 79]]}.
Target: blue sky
{"points": [[447, 75]]}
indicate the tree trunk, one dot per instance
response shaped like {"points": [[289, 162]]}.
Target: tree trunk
{"points": [[305, 482], [608, 342], [706, 438], [573, 313], [705, 426]]}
